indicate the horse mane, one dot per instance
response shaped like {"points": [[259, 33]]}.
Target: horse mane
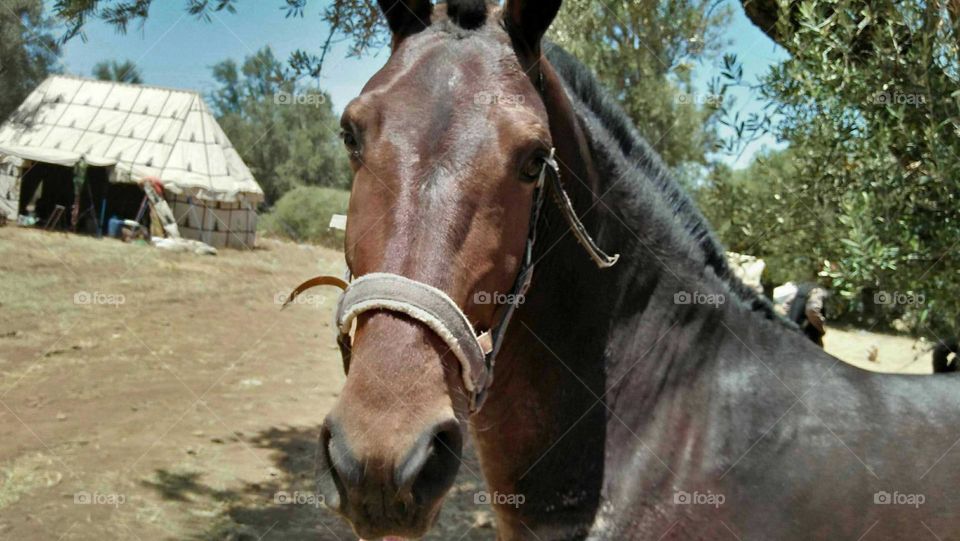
{"points": [[645, 165]]}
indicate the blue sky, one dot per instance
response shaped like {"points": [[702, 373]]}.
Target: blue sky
{"points": [[176, 50]]}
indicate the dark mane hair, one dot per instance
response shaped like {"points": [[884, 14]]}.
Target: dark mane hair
{"points": [[646, 165]]}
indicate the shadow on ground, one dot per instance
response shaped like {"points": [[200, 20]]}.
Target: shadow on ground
{"points": [[254, 511]]}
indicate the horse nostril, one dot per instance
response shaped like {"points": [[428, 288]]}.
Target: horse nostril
{"points": [[335, 466], [430, 469]]}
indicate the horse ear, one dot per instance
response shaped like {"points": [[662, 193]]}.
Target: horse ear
{"points": [[527, 21], [405, 17]]}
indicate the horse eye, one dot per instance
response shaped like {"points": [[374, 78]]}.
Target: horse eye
{"points": [[532, 169], [350, 141]]}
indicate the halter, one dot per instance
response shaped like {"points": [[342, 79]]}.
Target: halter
{"points": [[435, 309]]}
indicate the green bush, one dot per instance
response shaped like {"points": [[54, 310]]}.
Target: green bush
{"points": [[867, 196], [303, 215]]}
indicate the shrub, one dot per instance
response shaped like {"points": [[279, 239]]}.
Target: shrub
{"points": [[866, 196], [303, 215]]}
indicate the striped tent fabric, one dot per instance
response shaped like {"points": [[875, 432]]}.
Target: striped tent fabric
{"points": [[139, 132]]}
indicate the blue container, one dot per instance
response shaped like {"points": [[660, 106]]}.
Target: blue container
{"points": [[114, 226]]}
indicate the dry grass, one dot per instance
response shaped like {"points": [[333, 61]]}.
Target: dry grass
{"points": [[27, 474], [194, 399]]}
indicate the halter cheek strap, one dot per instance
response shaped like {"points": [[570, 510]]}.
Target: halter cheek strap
{"points": [[441, 314]]}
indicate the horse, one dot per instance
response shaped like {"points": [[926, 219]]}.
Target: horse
{"points": [[653, 398]]}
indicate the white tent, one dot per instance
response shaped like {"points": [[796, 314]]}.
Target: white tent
{"points": [[9, 166], [140, 132]]}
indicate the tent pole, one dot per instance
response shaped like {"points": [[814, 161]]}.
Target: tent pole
{"points": [[93, 210], [143, 206], [103, 216]]}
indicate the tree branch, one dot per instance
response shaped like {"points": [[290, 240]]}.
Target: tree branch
{"points": [[764, 14]]}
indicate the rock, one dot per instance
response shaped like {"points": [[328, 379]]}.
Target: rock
{"points": [[61, 416], [900, 326]]}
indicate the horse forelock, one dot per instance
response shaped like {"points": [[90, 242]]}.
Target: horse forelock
{"points": [[467, 14]]}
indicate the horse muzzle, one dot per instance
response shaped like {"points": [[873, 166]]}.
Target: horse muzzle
{"points": [[385, 497]]}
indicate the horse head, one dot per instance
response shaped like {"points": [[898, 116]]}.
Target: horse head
{"points": [[449, 144]]}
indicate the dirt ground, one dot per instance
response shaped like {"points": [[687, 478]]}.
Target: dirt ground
{"points": [[880, 352], [149, 395]]}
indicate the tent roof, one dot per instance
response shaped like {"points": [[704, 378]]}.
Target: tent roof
{"points": [[143, 131]]}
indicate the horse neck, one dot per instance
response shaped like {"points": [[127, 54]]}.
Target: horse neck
{"points": [[543, 432]]}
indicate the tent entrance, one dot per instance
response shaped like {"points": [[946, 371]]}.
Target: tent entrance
{"points": [[101, 200], [90, 219], [43, 187]]}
